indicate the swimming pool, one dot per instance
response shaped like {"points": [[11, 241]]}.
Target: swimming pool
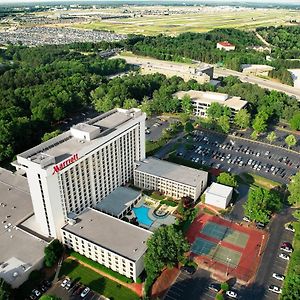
{"points": [[142, 215]]}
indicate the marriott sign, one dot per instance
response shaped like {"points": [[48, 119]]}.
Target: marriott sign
{"points": [[64, 164]]}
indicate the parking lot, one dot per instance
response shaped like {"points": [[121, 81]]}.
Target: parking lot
{"points": [[237, 156], [73, 293]]}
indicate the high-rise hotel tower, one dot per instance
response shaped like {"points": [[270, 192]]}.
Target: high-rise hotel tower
{"points": [[78, 168]]}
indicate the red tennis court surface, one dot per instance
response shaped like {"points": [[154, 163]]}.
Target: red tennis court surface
{"points": [[251, 252]]}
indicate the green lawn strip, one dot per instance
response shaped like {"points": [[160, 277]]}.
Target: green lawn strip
{"points": [[169, 202], [95, 281], [253, 179], [100, 267], [290, 286]]}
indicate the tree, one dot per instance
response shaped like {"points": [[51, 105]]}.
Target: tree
{"points": [[271, 137], [219, 297], [227, 179], [254, 135], [224, 123], [166, 247], [295, 121], [294, 189], [52, 253], [146, 106], [259, 123], [215, 111], [49, 135], [130, 103], [188, 127], [225, 286], [184, 117], [186, 104], [290, 140], [5, 290], [261, 203], [242, 119]]}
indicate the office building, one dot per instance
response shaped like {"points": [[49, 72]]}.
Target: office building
{"points": [[80, 167], [170, 179], [201, 101], [116, 244]]}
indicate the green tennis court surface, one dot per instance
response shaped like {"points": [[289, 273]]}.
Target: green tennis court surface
{"points": [[203, 247], [218, 253], [226, 234]]}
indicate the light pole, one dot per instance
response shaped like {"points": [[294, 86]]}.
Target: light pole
{"points": [[228, 261]]}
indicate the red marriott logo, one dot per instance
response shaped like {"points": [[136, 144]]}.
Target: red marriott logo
{"points": [[64, 164]]}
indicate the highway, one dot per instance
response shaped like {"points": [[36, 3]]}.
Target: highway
{"points": [[264, 83]]}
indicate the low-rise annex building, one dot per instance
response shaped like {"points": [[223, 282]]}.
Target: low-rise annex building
{"points": [[218, 195], [116, 244], [201, 101], [170, 179]]}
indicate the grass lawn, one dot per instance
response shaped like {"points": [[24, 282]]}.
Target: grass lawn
{"points": [[96, 282], [253, 179]]}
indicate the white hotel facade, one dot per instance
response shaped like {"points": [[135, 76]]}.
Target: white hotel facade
{"points": [[78, 168]]}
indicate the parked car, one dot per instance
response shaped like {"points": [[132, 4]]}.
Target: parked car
{"points": [[260, 225], [290, 227], [286, 249], [188, 270], [216, 287], [246, 219], [284, 256], [36, 292], [64, 283], [232, 294], [275, 289], [286, 244], [85, 292], [278, 276]]}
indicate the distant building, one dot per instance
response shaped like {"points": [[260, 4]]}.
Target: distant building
{"points": [[116, 244], [260, 48], [200, 72], [170, 179], [202, 100], [225, 46], [251, 69], [218, 195]]}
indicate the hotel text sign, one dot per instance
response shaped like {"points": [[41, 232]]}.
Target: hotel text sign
{"points": [[64, 164]]}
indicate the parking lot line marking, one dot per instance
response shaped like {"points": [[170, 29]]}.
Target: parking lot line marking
{"points": [[177, 288], [173, 292], [168, 296]]}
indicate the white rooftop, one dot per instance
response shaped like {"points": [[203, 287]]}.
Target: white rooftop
{"points": [[210, 97], [219, 189], [120, 237], [168, 170]]}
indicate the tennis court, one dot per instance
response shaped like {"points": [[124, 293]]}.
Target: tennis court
{"points": [[227, 256], [203, 247], [226, 234]]}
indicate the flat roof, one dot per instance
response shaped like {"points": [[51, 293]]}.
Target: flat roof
{"points": [[111, 233], [210, 97], [67, 143], [19, 250], [118, 200], [219, 189], [171, 171]]}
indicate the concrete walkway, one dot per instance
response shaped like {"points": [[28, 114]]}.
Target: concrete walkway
{"points": [[135, 287]]}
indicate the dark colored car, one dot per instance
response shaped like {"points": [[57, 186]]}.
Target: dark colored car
{"points": [[216, 287], [260, 225], [188, 270]]}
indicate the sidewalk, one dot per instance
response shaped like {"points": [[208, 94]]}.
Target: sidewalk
{"points": [[135, 287]]}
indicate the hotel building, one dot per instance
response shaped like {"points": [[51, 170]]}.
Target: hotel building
{"points": [[170, 179], [80, 167]]}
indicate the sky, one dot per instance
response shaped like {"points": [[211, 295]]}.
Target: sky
{"points": [[240, 1]]}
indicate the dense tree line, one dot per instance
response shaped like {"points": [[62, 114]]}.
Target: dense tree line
{"points": [[201, 46], [40, 86]]}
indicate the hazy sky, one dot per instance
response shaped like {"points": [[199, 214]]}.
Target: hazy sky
{"points": [[240, 1]]}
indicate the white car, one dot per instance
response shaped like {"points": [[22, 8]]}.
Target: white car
{"points": [[246, 219], [290, 227], [284, 256], [275, 289], [85, 292], [232, 294], [64, 283], [278, 276]]}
